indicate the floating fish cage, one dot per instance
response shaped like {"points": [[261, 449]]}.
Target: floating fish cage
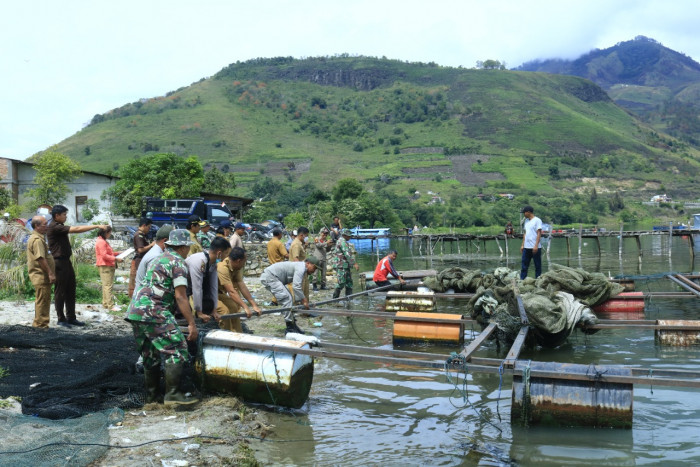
{"points": [[679, 337], [558, 401], [418, 302], [265, 376], [632, 303]]}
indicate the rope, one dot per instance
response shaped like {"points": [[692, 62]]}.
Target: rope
{"points": [[459, 360], [500, 384], [262, 370], [651, 385]]}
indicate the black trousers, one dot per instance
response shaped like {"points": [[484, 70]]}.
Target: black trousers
{"points": [[64, 290]]}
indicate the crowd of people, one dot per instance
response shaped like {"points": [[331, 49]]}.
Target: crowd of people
{"points": [[188, 274]]}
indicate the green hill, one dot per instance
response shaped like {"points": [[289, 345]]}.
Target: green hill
{"points": [[658, 84], [404, 124]]}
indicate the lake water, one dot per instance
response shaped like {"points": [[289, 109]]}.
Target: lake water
{"points": [[362, 413]]}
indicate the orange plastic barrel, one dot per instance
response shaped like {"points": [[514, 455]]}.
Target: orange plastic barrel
{"points": [[419, 331], [623, 305]]}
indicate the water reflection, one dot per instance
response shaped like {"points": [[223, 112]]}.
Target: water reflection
{"points": [[361, 413]]}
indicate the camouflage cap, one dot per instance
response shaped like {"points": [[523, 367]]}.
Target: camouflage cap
{"points": [[313, 260], [346, 232], [179, 237], [164, 232]]}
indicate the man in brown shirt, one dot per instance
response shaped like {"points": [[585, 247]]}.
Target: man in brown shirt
{"points": [[40, 266], [276, 251], [59, 245], [231, 287], [141, 247]]}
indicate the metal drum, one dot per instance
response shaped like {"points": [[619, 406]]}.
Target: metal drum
{"points": [[679, 338], [265, 376], [421, 331], [411, 301], [559, 400], [623, 305]]}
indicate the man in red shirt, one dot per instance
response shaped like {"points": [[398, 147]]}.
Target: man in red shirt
{"points": [[384, 268]]}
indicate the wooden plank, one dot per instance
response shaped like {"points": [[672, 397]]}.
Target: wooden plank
{"points": [[515, 349], [476, 343]]}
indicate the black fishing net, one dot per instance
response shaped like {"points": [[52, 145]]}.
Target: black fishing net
{"points": [[62, 374]]}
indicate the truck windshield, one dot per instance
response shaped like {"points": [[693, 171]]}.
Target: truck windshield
{"points": [[218, 214]]}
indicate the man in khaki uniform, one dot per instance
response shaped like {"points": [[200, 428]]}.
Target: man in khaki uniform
{"points": [[276, 251], [193, 228], [231, 287], [41, 271], [297, 252]]}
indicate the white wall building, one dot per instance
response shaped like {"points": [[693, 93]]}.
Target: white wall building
{"points": [[18, 177]]}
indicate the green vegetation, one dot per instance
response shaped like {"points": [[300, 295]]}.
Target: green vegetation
{"points": [[53, 171], [282, 129]]}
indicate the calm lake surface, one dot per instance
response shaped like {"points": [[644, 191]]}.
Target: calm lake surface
{"points": [[362, 413]]}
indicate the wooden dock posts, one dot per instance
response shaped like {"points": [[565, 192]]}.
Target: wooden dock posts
{"points": [[433, 240]]}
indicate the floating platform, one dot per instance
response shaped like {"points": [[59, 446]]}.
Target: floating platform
{"points": [[625, 302], [228, 366], [424, 302], [678, 337], [421, 331]]}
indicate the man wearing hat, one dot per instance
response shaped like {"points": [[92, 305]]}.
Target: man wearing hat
{"points": [[342, 261], [141, 247], [203, 235], [530, 247], [193, 227], [275, 279], [224, 229], [155, 329], [59, 246], [236, 239], [158, 247]]}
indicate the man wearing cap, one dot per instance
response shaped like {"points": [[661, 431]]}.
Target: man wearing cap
{"points": [[224, 229], [40, 267], [141, 247], [193, 228], [158, 247], [530, 247], [155, 329], [343, 260], [276, 251], [59, 245], [203, 281], [275, 279], [320, 250], [236, 239], [203, 235], [232, 290], [297, 252]]}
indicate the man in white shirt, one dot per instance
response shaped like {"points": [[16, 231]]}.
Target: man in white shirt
{"points": [[155, 251], [530, 247]]}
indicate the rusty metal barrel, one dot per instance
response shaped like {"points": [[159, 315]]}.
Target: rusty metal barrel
{"points": [[406, 332], [633, 302], [267, 376], [680, 337], [560, 400], [418, 302]]}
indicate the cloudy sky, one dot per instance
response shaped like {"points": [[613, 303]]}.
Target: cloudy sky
{"points": [[65, 61]]}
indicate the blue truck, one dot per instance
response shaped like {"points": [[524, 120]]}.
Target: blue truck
{"points": [[177, 211]]}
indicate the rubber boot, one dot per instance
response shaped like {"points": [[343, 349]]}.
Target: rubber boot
{"points": [[336, 293], [292, 327], [173, 395], [152, 379], [348, 291]]}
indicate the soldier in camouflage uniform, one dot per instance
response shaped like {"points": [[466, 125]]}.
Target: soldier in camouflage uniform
{"points": [[342, 261], [155, 329]]}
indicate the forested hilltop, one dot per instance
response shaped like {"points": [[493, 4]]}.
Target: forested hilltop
{"points": [[430, 144], [659, 85]]}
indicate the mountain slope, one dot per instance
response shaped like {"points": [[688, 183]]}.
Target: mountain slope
{"points": [[660, 85], [321, 119]]}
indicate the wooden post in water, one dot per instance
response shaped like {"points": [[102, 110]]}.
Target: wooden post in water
{"points": [[620, 248], [568, 247], [506, 241], [691, 242], [670, 237], [580, 238], [499, 245]]}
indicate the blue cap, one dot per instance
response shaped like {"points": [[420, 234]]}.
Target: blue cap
{"points": [[238, 225], [225, 223]]}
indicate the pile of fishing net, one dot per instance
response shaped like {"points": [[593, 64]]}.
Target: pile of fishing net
{"points": [[72, 387], [555, 303]]}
